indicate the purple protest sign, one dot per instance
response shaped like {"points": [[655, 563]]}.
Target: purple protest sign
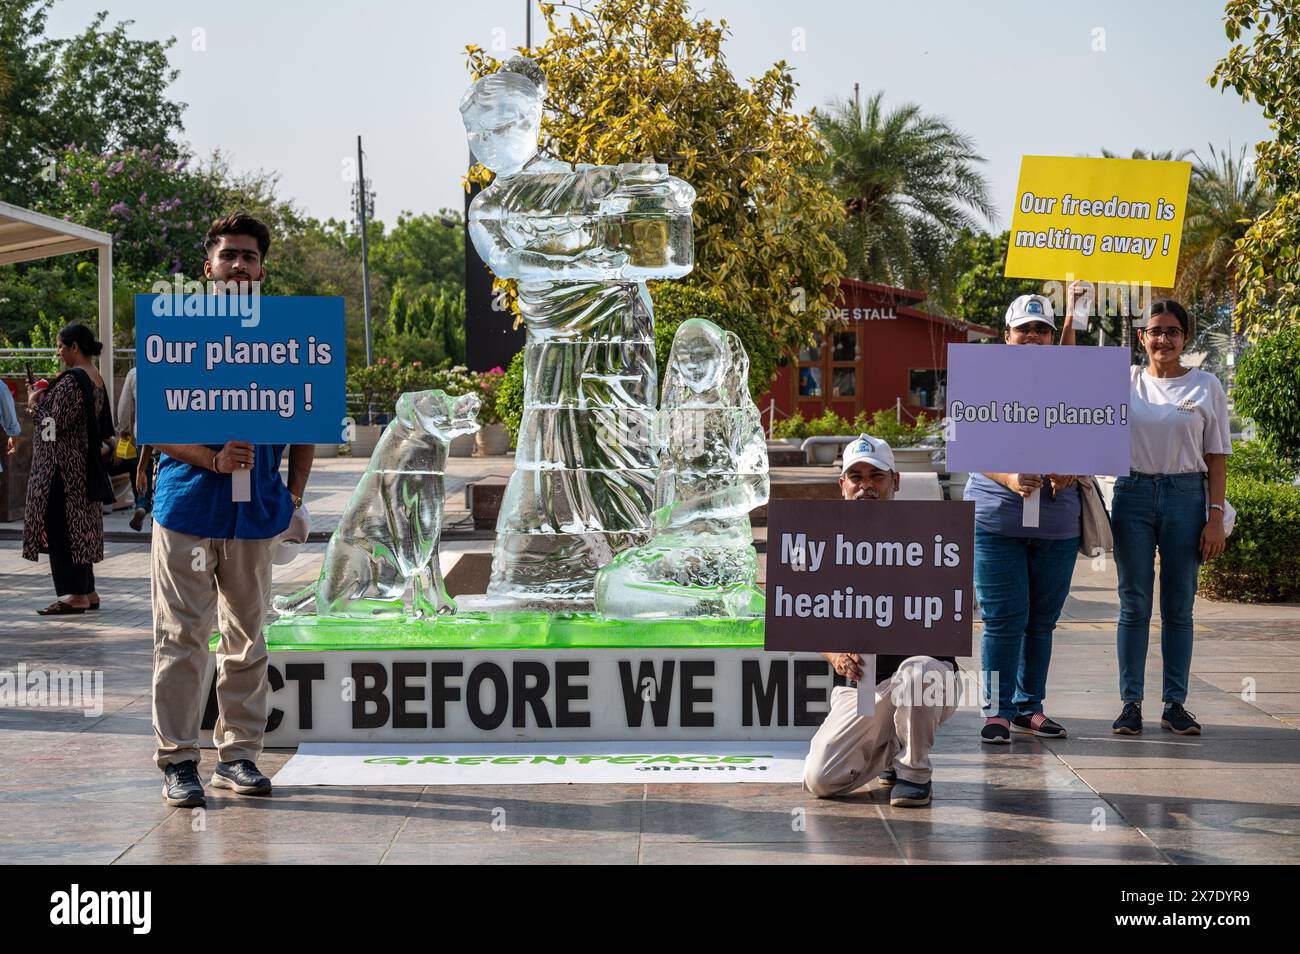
{"points": [[1037, 409]]}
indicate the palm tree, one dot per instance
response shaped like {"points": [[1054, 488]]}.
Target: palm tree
{"points": [[909, 185], [1224, 198]]}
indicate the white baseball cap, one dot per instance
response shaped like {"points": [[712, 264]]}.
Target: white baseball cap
{"points": [[1029, 308], [871, 449]]}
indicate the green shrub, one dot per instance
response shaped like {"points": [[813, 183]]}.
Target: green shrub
{"points": [[1256, 460], [793, 426], [1262, 561], [510, 396], [883, 424], [1267, 390], [830, 424]]}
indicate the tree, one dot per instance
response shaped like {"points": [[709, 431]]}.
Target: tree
{"points": [[910, 187], [982, 291], [1267, 70], [631, 79], [100, 90], [1223, 199], [422, 250], [1268, 391]]}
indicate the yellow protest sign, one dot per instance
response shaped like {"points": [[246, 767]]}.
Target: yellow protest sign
{"points": [[1098, 220]]}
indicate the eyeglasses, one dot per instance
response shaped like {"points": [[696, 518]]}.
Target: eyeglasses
{"points": [[1172, 333]]}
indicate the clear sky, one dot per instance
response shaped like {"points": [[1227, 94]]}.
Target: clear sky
{"points": [[287, 86]]}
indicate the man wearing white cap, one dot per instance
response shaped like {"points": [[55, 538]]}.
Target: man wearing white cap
{"points": [[893, 742]]}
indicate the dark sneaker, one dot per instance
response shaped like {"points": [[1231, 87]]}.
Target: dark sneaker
{"points": [[1179, 721], [182, 787], [1129, 721], [137, 518], [907, 794], [996, 731], [241, 777], [888, 777], [1038, 724]]}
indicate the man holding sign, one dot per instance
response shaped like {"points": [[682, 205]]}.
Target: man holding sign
{"points": [[894, 741], [212, 564]]}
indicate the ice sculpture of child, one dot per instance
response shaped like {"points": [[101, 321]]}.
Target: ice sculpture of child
{"points": [[713, 472]]}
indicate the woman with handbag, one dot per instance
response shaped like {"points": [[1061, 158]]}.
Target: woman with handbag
{"points": [[68, 483], [1178, 421], [1022, 574]]}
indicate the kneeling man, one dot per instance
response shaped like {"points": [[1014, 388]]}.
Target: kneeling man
{"points": [[895, 741]]}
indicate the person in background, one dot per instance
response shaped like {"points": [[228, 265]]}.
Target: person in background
{"points": [[212, 565], [1022, 574], [68, 484], [1172, 501], [126, 422], [893, 742], [8, 421]]}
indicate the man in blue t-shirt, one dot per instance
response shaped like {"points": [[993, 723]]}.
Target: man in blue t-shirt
{"points": [[212, 565]]}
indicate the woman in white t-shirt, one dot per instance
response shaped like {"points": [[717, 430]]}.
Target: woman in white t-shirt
{"points": [[1178, 422]]}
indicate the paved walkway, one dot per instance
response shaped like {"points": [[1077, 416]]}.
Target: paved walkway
{"points": [[83, 789]]}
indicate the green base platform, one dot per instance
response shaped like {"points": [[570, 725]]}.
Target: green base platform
{"points": [[511, 631]]}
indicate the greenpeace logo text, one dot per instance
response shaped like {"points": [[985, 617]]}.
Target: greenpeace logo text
{"points": [[75, 907]]}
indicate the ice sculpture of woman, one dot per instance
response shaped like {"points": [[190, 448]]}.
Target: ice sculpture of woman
{"points": [[713, 472], [582, 240]]}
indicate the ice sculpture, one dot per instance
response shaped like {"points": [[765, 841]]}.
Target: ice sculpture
{"points": [[389, 531], [712, 472], [582, 240]]}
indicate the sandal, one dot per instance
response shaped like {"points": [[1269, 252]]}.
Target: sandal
{"points": [[60, 608]]}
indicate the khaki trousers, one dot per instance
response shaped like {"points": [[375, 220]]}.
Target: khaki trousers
{"points": [[199, 582], [849, 750]]}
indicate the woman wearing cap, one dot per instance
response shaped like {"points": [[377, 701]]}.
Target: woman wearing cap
{"points": [[68, 483], [1181, 441], [1022, 574]]}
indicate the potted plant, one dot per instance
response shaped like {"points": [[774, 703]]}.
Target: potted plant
{"points": [[492, 439], [829, 424]]}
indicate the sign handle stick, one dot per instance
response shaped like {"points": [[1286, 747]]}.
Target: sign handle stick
{"points": [[867, 687], [1031, 509], [241, 486]]}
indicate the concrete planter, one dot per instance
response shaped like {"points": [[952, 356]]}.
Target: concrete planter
{"points": [[462, 446], [824, 453], [326, 450], [365, 439], [914, 460], [492, 440]]}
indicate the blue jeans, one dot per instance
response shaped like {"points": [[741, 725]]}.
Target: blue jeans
{"points": [[1149, 511], [1021, 583]]}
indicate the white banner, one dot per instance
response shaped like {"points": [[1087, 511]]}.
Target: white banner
{"points": [[595, 763]]}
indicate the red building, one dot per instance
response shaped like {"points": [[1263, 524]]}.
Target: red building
{"points": [[875, 348]]}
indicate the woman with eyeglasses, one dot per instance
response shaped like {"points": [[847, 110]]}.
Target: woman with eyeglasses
{"points": [[1171, 501], [1022, 574]]}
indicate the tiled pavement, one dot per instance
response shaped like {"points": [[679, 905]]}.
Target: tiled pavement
{"points": [[80, 789]]}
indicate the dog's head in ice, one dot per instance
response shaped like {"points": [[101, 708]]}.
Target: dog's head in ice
{"points": [[438, 413]]}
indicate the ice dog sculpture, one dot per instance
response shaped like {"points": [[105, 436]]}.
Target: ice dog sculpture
{"points": [[388, 534]]}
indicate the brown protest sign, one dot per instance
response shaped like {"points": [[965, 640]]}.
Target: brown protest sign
{"points": [[870, 576]]}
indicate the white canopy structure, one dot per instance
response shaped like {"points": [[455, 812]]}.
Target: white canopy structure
{"points": [[26, 235]]}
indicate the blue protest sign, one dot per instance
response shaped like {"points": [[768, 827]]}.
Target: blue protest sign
{"points": [[1037, 410], [217, 368]]}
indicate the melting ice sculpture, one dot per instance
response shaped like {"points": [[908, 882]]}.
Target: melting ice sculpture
{"points": [[712, 472], [389, 531], [582, 240]]}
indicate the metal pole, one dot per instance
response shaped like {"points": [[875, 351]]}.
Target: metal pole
{"points": [[528, 23], [365, 250]]}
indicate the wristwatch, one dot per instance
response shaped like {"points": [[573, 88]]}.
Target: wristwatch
{"points": [[297, 499], [1218, 507]]}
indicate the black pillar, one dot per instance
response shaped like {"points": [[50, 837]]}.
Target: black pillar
{"points": [[491, 339]]}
